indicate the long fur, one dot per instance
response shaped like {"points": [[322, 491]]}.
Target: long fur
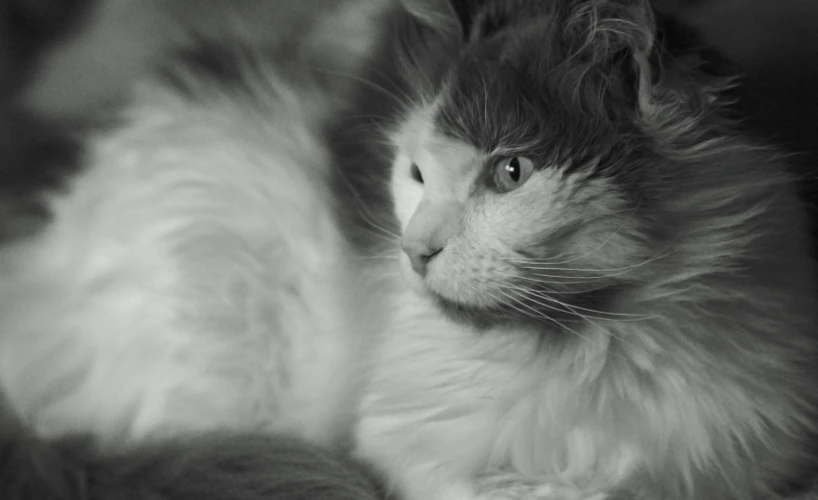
{"points": [[185, 304], [179, 345], [691, 377]]}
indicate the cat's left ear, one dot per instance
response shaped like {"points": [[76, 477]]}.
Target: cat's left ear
{"points": [[615, 37], [650, 53]]}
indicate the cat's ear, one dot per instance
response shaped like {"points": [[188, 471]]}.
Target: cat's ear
{"points": [[614, 37], [650, 53]]}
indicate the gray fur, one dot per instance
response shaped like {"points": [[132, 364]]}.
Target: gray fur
{"points": [[217, 467]]}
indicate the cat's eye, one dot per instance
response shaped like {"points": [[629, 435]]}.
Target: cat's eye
{"points": [[511, 173], [415, 171]]}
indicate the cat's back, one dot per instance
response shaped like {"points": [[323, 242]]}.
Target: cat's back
{"points": [[193, 276]]}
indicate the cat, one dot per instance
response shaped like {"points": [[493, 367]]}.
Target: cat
{"points": [[170, 318], [157, 253], [610, 294]]}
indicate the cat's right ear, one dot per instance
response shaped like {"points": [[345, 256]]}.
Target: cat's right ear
{"points": [[431, 34]]}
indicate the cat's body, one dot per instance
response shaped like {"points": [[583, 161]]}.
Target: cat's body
{"points": [[190, 310], [204, 355]]}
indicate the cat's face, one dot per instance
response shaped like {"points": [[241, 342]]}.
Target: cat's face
{"points": [[496, 235], [517, 183]]}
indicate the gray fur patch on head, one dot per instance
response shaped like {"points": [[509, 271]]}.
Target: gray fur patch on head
{"points": [[575, 88]]}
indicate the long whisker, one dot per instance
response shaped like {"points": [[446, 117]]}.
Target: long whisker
{"points": [[515, 302], [607, 240], [401, 99], [563, 307], [538, 279], [610, 272], [364, 211], [523, 308], [604, 315], [586, 318], [385, 238]]}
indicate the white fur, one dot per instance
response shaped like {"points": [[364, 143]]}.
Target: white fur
{"points": [[194, 276], [188, 281]]}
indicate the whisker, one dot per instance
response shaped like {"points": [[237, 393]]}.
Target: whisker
{"points": [[611, 272], [538, 315], [587, 319], [516, 304], [404, 99], [363, 210], [606, 315], [607, 240], [565, 308], [537, 279], [383, 237]]}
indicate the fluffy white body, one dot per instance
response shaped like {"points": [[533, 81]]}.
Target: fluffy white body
{"points": [[189, 281], [194, 275]]}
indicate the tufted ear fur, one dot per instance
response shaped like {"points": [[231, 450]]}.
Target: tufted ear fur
{"points": [[654, 59], [613, 42]]}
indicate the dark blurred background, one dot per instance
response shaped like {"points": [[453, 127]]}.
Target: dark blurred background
{"points": [[775, 44]]}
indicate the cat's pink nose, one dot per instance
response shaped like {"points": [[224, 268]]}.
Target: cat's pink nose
{"points": [[420, 254]]}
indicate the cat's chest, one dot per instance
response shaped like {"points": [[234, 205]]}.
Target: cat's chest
{"points": [[500, 393]]}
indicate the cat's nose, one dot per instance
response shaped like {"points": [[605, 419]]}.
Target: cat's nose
{"points": [[420, 254], [429, 230]]}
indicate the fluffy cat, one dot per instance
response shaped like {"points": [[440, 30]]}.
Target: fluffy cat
{"points": [[612, 293], [193, 307], [178, 321]]}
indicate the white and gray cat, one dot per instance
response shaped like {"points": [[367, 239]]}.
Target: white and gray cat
{"points": [[598, 289]]}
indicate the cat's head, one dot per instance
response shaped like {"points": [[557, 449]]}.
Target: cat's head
{"points": [[526, 167]]}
